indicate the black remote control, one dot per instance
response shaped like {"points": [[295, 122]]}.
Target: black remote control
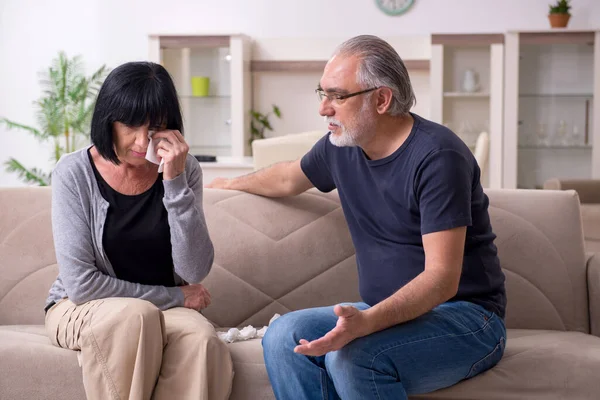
{"points": [[205, 158]]}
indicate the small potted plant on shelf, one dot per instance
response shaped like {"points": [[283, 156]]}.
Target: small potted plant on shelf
{"points": [[260, 122], [559, 14]]}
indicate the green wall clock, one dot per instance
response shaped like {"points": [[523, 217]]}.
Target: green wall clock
{"points": [[394, 7]]}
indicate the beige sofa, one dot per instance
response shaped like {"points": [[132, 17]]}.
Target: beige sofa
{"points": [[589, 197], [289, 147], [273, 256]]}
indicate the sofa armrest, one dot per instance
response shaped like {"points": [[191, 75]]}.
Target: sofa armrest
{"points": [[587, 189], [593, 278]]}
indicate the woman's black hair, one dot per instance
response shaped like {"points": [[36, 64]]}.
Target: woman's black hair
{"points": [[135, 93]]}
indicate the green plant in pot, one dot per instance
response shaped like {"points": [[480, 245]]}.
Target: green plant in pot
{"points": [[559, 14], [63, 113], [260, 122]]}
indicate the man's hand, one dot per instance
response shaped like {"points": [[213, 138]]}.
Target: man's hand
{"points": [[218, 183], [196, 296], [173, 149], [351, 324]]}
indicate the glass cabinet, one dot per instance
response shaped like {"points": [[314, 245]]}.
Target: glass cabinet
{"points": [[466, 92], [551, 116]]}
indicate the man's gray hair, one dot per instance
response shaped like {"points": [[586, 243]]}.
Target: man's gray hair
{"points": [[381, 65]]}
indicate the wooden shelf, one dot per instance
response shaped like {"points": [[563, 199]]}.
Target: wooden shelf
{"points": [[482, 39], [466, 94], [557, 37], [555, 147], [316, 65], [200, 41]]}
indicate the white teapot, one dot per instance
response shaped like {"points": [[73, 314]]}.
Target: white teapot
{"points": [[470, 81]]}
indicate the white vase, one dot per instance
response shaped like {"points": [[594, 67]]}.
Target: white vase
{"points": [[470, 81]]}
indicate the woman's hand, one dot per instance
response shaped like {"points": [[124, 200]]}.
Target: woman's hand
{"points": [[173, 149], [196, 296]]}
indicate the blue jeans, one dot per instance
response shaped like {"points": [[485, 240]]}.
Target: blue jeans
{"points": [[452, 342]]}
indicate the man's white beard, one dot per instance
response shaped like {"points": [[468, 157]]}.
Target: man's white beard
{"points": [[344, 138]]}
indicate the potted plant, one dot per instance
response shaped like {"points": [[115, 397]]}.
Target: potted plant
{"points": [[63, 113], [559, 14], [260, 122]]}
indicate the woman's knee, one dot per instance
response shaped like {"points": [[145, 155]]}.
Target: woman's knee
{"points": [[128, 315]]}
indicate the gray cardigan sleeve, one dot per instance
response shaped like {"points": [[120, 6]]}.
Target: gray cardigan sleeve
{"points": [[74, 247], [192, 248]]}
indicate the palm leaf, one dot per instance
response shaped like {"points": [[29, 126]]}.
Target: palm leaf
{"points": [[49, 116], [15, 125], [63, 112], [33, 175]]}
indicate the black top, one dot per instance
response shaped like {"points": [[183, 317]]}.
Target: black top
{"points": [[430, 183], [137, 237]]}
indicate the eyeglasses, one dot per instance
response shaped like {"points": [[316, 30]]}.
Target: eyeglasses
{"points": [[340, 98]]}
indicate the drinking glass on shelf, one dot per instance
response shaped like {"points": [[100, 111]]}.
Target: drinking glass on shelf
{"points": [[542, 134], [561, 131], [577, 136]]}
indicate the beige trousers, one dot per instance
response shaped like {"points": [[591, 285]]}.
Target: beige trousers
{"points": [[131, 350]]}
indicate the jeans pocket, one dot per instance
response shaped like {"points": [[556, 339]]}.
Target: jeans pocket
{"points": [[488, 361]]}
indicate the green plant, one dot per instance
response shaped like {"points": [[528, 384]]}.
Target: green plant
{"points": [[260, 122], [560, 7], [63, 112]]}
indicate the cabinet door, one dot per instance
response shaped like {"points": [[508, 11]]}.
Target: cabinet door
{"points": [[553, 132]]}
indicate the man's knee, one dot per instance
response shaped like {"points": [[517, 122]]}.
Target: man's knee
{"points": [[352, 362], [346, 361], [284, 333]]}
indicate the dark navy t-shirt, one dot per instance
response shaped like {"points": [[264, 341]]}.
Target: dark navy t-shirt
{"points": [[431, 183]]}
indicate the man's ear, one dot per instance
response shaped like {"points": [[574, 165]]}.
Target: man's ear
{"points": [[384, 99]]}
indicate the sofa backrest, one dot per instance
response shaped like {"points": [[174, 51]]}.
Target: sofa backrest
{"points": [[27, 260], [277, 255]]}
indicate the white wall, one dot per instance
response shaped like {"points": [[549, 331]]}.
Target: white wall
{"points": [[115, 31]]}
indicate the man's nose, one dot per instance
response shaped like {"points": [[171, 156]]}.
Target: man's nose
{"points": [[325, 108]]}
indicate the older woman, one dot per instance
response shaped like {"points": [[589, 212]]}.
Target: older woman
{"points": [[132, 246]]}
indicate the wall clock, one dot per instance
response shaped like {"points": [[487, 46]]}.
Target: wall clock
{"points": [[394, 7]]}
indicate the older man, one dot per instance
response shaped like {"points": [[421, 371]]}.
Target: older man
{"points": [[429, 275]]}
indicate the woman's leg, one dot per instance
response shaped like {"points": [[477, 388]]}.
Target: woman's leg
{"points": [[121, 343], [196, 363]]}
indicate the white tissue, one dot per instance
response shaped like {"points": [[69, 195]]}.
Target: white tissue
{"points": [[151, 153], [248, 332]]}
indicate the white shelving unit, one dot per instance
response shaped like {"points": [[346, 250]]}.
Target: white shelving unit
{"points": [[551, 118], [217, 123], [468, 113]]}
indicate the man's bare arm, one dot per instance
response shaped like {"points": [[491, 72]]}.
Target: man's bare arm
{"points": [[278, 180], [437, 284]]}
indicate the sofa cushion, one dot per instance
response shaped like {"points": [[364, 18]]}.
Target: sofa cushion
{"points": [[35, 368], [250, 380], [536, 365]]}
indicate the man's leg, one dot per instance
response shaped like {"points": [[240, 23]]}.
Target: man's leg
{"points": [[196, 363], [292, 375], [452, 342], [121, 342]]}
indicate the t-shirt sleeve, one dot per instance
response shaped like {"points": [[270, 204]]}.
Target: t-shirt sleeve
{"points": [[315, 166], [443, 188]]}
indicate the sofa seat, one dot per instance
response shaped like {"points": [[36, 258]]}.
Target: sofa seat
{"points": [[537, 364], [51, 373]]}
